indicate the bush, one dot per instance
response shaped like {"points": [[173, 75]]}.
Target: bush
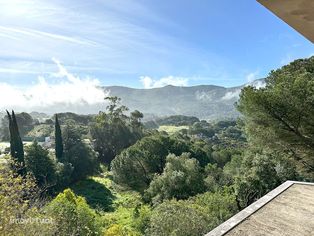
{"points": [[178, 218], [72, 215], [218, 206], [182, 178], [19, 198], [118, 230]]}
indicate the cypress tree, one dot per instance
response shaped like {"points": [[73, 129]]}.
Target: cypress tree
{"points": [[16, 144], [19, 149], [58, 140], [12, 144]]}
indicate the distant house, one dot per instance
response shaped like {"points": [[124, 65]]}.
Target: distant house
{"points": [[288, 210], [49, 142]]}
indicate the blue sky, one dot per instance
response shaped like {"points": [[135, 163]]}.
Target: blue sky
{"points": [[143, 43]]}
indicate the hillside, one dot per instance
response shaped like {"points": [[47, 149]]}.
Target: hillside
{"points": [[204, 101]]}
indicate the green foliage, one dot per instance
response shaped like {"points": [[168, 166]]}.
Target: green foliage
{"points": [[176, 120], [171, 129], [260, 174], [225, 134], [58, 140], [221, 157], [97, 195], [118, 230], [233, 167], [113, 131], [218, 206], [202, 128], [18, 200], [136, 166], [280, 116], [141, 218], [79, 154], [215, 178], [72, 215], [64, 172], [16, 144], [182, 177], [76, 118], [41, 165], [41, 131], [178, 218]]}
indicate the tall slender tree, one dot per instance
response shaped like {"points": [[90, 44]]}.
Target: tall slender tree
{"points": [[16, 144], [58, 140], [12, 144]]}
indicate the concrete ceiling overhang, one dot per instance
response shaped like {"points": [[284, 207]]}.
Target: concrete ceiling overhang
{"points": [[299, 14]]}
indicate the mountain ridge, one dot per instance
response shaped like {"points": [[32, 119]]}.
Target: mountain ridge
{"points": [[203, 101]]}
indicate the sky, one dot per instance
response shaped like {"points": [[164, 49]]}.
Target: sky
{"points": [[139, 43]]}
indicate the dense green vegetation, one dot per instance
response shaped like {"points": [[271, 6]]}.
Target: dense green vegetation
{"points": [[109, 175], [177, 120]]}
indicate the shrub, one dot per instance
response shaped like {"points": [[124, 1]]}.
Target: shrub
{"points": [[178, 218], [182, 178], [72, 215]]}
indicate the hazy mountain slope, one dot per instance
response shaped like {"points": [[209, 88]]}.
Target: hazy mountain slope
{"points": [[204, 102]]}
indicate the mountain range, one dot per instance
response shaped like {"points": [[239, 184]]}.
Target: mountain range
{"points": [[204, 101], [207, 102]]}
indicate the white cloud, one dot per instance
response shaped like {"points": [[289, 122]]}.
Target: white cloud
{"points": [[252, 81], [252, 76], [258, 84], [148, 82], [69, 93], [232, 95], [204, 96]]}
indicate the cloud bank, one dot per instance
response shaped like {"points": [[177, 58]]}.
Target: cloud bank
{"points": [[67, 93], [235, 94], [231, 95], [148, 82]]}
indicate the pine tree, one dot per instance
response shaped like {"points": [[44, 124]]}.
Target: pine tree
{"points": [[58, 140]]}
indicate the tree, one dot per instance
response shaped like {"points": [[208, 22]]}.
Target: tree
{"points": [[41, 165], [136, 117], [233, 167], [221, 157], [215, 178], [136, 166], [72, 215], [114, 131], [16, 144], [19, 199], [64, 168], [182, 177], [58, 141], [280, 116], [25, 123], [79, 154], [218, 206], [261, 173]]}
